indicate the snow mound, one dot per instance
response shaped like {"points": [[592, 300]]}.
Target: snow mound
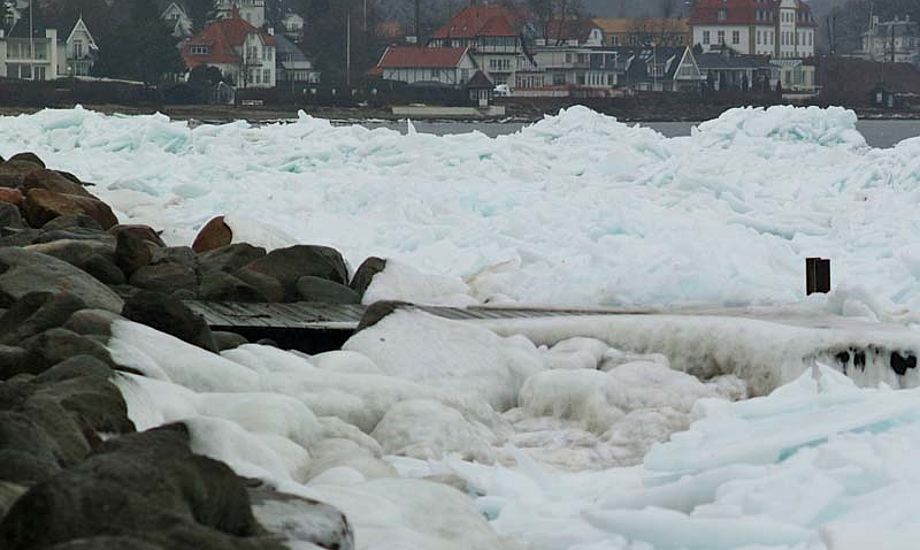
{"points": [[834, 126], [453, 356]]}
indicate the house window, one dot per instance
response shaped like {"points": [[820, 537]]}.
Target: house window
{"points": [[267, 76], [558, 79], [758, 37], [706, 37], [736, 37], [199, 50], [721, 37], [78, 48], [434, 73], [723, 14]]}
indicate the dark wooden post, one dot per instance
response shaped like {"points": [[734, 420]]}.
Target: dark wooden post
{"points": [[817, 276]]}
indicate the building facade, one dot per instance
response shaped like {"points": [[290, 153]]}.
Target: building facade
{"points": [[895, 41], [782, 29], [493, 36], [244, 54], [36, 51], [251, 11], [453, 67], [176, 17], [639, 32]]}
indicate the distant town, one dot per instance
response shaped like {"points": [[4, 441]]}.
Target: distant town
{"points": [[479, 58]]}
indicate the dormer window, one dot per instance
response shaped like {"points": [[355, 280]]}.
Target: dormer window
{"points": [[723, 14], [199, 50]]}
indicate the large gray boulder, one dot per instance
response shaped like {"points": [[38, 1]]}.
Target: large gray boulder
{"points": [[148, 486], [168, 314], [315, 289], [25, 271], [288, 265]]}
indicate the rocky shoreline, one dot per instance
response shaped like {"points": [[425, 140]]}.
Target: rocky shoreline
{"points": [[74, 471]]}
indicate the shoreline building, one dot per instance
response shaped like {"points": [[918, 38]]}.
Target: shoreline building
{"points": [[781, 29]]}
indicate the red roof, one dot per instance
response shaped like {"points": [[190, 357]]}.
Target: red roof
{"points": [[476, 21], [422, 58], [744, 12], [225, 39]]}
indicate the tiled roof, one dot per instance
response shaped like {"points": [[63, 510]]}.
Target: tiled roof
{"points": [[223, 38], [476, 21], [625, 25], [571, 29], [481, 81], [745, 12], [425, 58]]}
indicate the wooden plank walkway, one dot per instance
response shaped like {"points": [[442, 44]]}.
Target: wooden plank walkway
{"points": [[316, 316]]}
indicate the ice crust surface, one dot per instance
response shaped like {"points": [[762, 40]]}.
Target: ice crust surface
{"points": [[577, 209], [623, 433]]}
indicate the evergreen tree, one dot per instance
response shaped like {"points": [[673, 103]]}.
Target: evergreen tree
{"points": [[143, 49]]}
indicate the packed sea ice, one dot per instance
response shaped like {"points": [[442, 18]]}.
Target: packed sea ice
{"points": [[577, 209], [626, 433]]}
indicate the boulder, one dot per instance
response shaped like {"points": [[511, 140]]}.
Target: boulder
{"points": [[228, 340], [377, 311], [70, 446], [13, 172], [164, 277], [37, 312], [183, 255], [13, 361], [269, 287], [103, 268], [26, 451], [147, 485], [314, 289], [74, 367], [10, 215], [92, 322], [26, 157], [74, 233], [93, 402], [288, 265], [18, 237], [24, 271], [10, 195], [53, 181], [73, 251], [73, 221], [317, 523], [143, 232], [230, 258], [131, 252], [365, 274], [59, 344], [224, 287], [213, 235], [9, 493], [41, 206], [168, 314], [108, 543]]}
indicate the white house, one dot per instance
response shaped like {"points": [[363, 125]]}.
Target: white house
{"points": [[47, 53], [293, 66], [77, 53], [251, 11], [446, 66], [243, 53], [783, 29], [292, 24], [176, 17], [897, 41], [492, 34]]}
